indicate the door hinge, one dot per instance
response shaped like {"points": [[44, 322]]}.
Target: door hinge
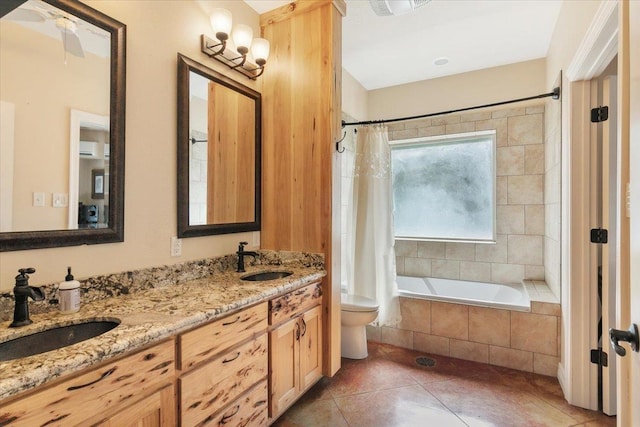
{"points": [[599, 114], [599, 357], [599, 235]]}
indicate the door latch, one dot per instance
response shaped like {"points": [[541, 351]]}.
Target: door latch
{"points": [[630, 336]]}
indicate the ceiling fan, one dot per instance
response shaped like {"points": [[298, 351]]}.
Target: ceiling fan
{"points": [[395, 7], [65, 23]]}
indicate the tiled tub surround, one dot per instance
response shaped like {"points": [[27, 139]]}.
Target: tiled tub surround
{"points": [[151, 304], [513, 339], [520, 210]]}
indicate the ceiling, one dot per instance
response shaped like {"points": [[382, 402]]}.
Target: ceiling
{"points": [[472, 34]]}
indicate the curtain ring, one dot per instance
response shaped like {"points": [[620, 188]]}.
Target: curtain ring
{"points": [[339, 141]]}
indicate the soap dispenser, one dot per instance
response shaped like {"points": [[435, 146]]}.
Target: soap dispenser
{"points": [[69, 294]]}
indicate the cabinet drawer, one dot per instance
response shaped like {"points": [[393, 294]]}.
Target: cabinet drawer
{"points": [[249, 410], [206, 341], [208, 388], [75, 400], [290, 305]]}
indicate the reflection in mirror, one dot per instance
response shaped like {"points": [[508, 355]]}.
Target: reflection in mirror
{"points": [[218, 153], [56, 130]]}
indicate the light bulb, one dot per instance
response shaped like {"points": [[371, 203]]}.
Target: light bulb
{"points": [[260, 51], [242, 35], [221, 21]]}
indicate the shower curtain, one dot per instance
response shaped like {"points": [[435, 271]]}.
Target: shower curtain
{"points": [[371, 261]]}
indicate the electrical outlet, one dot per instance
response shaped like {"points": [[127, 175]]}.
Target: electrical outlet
{"points": [[176, 246], [256, 239], [38, 198], [628, 201], [60, 200]]}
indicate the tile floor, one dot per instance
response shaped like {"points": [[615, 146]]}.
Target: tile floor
{"points": [[388, 389]]}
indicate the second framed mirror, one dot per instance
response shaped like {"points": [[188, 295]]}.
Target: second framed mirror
{"points": [[219, 155]]}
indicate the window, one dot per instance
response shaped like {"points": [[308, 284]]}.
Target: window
{"points": [[444, 187]]}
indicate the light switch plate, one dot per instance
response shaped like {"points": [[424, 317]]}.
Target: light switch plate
{"points": [[38, 198], [60, 200]]}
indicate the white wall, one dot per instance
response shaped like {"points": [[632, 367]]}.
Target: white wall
{"points": [[355, 97], [156, 32]]}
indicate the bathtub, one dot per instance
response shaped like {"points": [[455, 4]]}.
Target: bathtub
{"points": [[508, 297]]}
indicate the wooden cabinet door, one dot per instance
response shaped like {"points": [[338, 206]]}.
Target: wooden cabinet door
{"points": [[283, 363], [310, 347], [157, 410]]}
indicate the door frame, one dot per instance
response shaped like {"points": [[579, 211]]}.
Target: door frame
{"points": [[577, 376]]}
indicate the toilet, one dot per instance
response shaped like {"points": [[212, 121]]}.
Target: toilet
{"points": [[356, 313]]}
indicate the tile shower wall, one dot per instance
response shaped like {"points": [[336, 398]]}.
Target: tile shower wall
{"points": [[552, 190], [513, 339], [520, 213], [198, 179]]}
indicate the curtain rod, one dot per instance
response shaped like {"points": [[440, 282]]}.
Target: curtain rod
{"points": [[555, 95]]}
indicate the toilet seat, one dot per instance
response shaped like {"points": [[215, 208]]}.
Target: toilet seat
{"points": [[357, 303]]}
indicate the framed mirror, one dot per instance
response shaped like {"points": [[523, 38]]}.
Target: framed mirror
{"points": [[219, 140], [62, 94]]}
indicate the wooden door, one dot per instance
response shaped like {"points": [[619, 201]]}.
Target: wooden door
{"points": [[283, 363], [629, 290], [157, 410], [310, 347]]}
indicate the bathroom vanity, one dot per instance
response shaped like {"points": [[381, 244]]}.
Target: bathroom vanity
{"points": [[213, 350]]}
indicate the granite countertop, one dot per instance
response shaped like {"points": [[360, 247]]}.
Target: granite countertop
{"points": [[147, 316]]}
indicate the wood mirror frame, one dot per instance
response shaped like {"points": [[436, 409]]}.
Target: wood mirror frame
{"points": [[185, 229], [13, 241]]}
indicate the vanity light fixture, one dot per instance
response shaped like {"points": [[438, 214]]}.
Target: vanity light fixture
{"points": [[242, 36]]}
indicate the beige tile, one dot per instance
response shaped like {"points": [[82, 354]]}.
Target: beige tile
{"points": [[526, 130], [474, 117], [392, 127], [489, 252], [450, 320], [501, 190], [534, 272], [404, 134], [445, 269], [510, 161], [431, 344], [506, 273], [545, 365], [416, 124], [460, 128], [534, 332], [475, 271], [534, 159], [445, 120], [536, 109], [499, 125], [417, 267], [373, 333], [406, 248], [534, 219], [489, 326], [416, 315], [551, 309], [508, 112], [400, 266], [397, 337], [432, 131], [431, 250], [466, 350], [510, 219], [460, 251], [525, 249], [525, 190], [510, 358]]}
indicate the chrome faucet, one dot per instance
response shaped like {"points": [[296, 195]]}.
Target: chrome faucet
{"points": [[241, 254], [22, 292]]}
